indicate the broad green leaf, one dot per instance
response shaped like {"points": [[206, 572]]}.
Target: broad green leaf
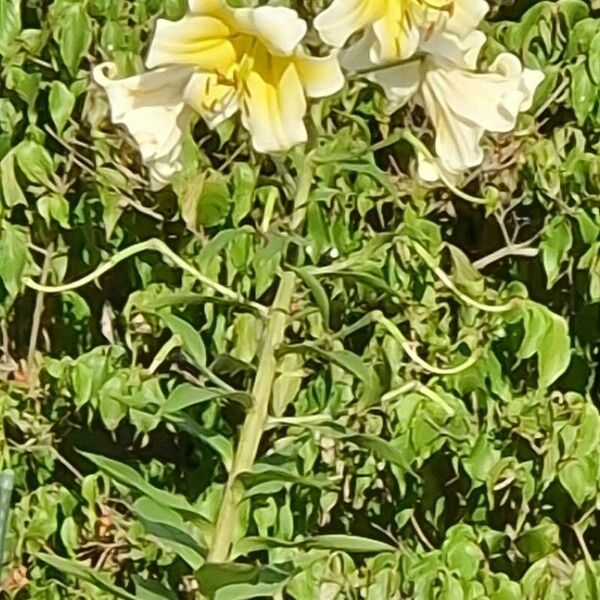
{"points": [[584, 94], [539, 541], [213, 203], [594, 59], [61, 102], [35, 162], [73, 34], [587, 226], [10, 23], [10, 190], [578, 477], [244, 183], [14, 258], [556, 244], [547, 335]]}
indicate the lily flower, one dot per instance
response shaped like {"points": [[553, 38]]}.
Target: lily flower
{"points": [[394, 28], [462, 101], [219, 60], [151, 106]]}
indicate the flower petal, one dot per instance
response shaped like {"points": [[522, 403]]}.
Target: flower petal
{"points": [[344, 17], [448, 47], [358, 56], [274, 107], [466, 16], [399, 83], [397, 34], [151, 106], [214, 101], [206, 7], [279, 28], [202, 41], [491, 100], [321, 77], [456, 140]]}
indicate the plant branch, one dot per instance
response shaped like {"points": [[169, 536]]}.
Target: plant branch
{"points": [[505, 252], [408, 348], [36, 322]]}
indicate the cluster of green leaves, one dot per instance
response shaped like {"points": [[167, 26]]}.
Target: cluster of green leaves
{"points": [[434, 428]]}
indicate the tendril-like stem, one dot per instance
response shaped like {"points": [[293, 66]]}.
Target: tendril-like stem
{"points": [[420, 147], [410, 351], [155, 245], [443, 277]]}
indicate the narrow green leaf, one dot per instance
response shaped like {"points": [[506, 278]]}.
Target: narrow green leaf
{"points": [[6, 488], [318, 292], [168, 526], [84, 573], [151, 590], [191, 341], [132, 479]]}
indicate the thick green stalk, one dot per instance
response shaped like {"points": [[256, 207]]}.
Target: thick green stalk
{"points": [[256, 418]]}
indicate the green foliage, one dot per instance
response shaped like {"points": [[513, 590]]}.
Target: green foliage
{"points": [[434, 428]]}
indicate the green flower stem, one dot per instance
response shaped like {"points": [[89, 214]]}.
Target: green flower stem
{"points": [[155, 245], [257, 415], [256, 418]]}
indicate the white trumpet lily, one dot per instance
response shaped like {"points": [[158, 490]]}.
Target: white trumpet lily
{"points": [[219, 60], [394, 28], [151, 106], [461, 101]]}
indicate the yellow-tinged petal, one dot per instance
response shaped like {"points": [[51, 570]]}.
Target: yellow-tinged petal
{"points": [[213, 100], [344, 17], [151, 106], [207, 7], [198, 40], [397, 34], [322, 76], [274, 106]]}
